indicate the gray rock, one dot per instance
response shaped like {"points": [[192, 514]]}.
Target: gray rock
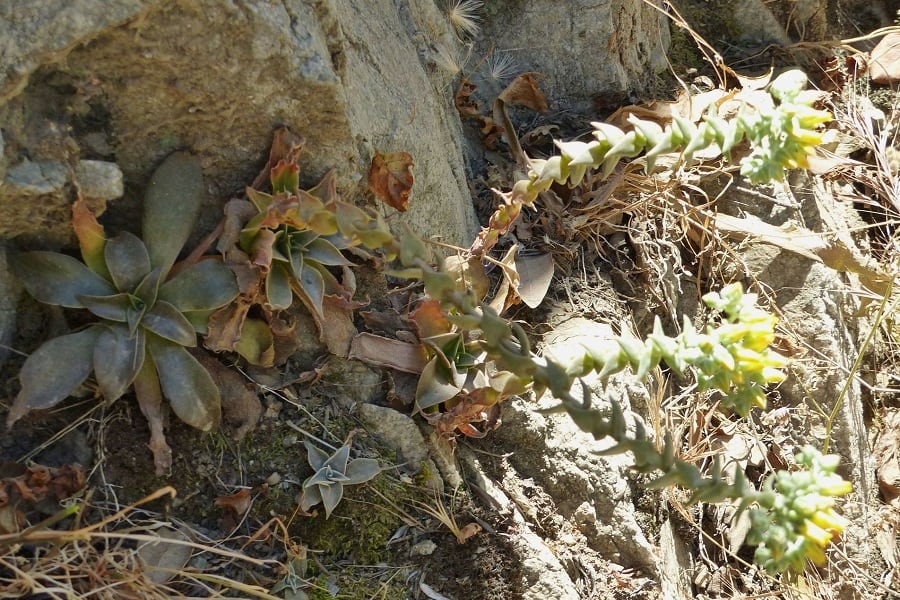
{"points": [[99, 180], [36, 178], [399, 432], [607, 47], [591, 492], [35, 33], [218, 77]]}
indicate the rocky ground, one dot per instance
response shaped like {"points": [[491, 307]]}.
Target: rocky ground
{"points": [[532, 510]]}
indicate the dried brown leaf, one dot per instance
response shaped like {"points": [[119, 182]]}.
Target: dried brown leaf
{"points": [[429, 319], [463, 101], [524, 91], [386, 352], [391, 178], [468, 272], [887, 456], [164, 558], [237, 503], [884, 61], [286, 145]]}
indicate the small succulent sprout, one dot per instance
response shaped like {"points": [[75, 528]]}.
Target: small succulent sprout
{"points": [[332, 473], [146, 315]]}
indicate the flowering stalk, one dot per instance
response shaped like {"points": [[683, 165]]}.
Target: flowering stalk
{"points": [[781, 133]]}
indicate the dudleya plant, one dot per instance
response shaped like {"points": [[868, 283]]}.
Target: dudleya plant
{"points": [[796, 520], [332, 473], [732, 356], [781, 131], [286, 244], [147, 313]]}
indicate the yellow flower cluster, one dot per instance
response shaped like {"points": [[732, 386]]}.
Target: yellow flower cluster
{"points": [[796, 520], [733, 357]]}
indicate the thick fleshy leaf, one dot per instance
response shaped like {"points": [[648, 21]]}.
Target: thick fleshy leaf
{"points": [[199, 319], [187, 386], [148, 289], [54, 278], [53, 371], [171, 205], [205, 285], [434, 388], [111, 308], [166, 321], [260, 200], [117, 360], [325, 253], [91, 238], [310, 498], [127, 261], [326, 477], [360, 470], [331, 497], [338, 460], [257, 343], [278, 288], [311, 289], [133, 316], [314, 455]]}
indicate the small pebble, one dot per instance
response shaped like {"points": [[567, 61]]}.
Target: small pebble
{"points": [[273, 479], [423, 548]]}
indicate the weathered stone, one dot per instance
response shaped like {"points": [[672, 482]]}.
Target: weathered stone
{"points": [[99, 180], [33, 33], [36, 178], [609, 48], [589, 489], [34, 202], [216, 78], [402, 434]]}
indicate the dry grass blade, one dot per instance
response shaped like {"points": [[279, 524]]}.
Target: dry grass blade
{"points": [[103, 559], [446, 517]]}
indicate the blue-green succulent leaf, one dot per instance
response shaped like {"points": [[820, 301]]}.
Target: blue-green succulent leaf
{"points": [[148, 289], [127, 261], [53, 371], [331, 497], [310, 497], [278, 288], [166, 321], [325, 253], [338, 460], [171, 206], [314, 455], [203, 286], [117, 359], [111, 308], [360, 470], [54, 278], [189, 388], [312, 290]]}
